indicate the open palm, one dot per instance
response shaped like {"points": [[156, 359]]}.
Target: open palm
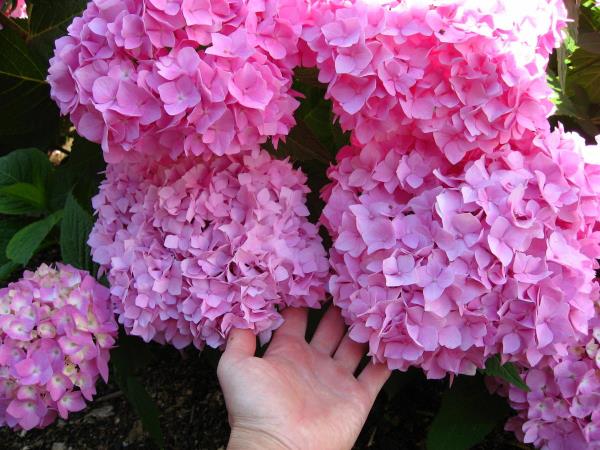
{"points": [[299, 395]]}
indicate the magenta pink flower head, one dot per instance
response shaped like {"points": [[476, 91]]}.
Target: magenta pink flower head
{"points": [[196, 247], [562, 410], [163, 77], [440, 266], [470, 73], [56, 330]]}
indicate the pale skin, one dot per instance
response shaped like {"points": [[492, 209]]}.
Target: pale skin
{"points": [[299, 395]]}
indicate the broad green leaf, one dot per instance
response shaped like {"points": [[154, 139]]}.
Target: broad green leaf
{"points": [[467, 415], [131, 355], [146, 409], [8, 227], [7, 269], [75, 228], [17, 62], [302, 145], [590, 42], [507, 372], [23, 175], [586, 73], [26, 192], [26, 241], [27, 111], [15, 207], [49, 20], [27, 165]]}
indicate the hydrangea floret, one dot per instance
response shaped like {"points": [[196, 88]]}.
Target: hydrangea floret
{"points": [[56, 330]]}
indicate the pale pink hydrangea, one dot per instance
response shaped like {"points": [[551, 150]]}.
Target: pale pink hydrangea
{"points": [[56, 330], [18, 11], [440, 266], [562, 408], [470, 73], [198, 246], [179, 76]]}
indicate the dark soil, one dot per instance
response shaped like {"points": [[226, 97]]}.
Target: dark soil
{"points": [[193, 415]]}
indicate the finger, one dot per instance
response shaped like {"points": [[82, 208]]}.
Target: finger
{"points": [[349, 353], [294, 323], [373, 377], [241, 344], [329, 332]]}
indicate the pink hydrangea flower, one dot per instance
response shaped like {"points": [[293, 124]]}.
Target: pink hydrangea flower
{"points": [[439, 265], [198, 246], [182, 76], [562, 408], [19, 10], [56, 330], [470, 73]]}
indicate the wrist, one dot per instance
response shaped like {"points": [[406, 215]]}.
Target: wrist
{"points": [[248, 439]]}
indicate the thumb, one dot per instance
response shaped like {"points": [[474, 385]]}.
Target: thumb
{"points": [[241, 344]]}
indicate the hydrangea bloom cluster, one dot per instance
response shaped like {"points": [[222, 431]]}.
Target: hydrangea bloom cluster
{"points": [[56, 329], [439, 265], [179, 76], [562, 410], [198, 246], [469, 73]]}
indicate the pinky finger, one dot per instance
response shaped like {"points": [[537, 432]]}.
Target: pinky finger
{"points": [[373, 377]]}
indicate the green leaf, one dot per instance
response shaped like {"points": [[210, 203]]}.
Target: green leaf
{"points": [[507, 372], [15, 207], [17, 62], [302, 145], [590, 42], [23, 175], [49, 20], [27, 165], [26, 192], [8, 228], [146, 409], [586, 73], [75, 228], [131, 355], [7, 269], [26, 241], [467, 415], [27, 110]]}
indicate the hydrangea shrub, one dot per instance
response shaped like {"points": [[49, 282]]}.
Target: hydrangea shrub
{"points": [[56, 330], [464, 225]]}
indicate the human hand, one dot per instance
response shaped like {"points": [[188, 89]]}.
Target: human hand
{"points": [[299, 395]]}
